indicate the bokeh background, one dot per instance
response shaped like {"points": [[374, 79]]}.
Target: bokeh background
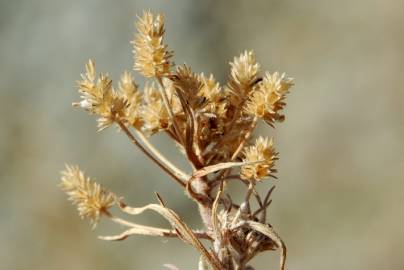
{"points": [[339, 201]]}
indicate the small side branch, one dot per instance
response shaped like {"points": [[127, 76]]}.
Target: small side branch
{"points": [[183, 176], [163, 93], [161, 163], [137, 229], [245, 139]]}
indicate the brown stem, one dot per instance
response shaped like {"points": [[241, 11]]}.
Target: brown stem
{"points": [[154, 159], [170, 110], [245, 139], [183, 176]]}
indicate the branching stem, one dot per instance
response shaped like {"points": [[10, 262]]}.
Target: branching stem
{"points": [[163, 93], [245, 139], [178, 172], [176, 175]]}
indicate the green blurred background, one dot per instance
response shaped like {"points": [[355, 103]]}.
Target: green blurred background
{"points": [[339, 200]]}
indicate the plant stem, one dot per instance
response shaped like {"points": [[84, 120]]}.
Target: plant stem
{"points": [[159, 162], [169, 110], [178, 172], [245, 139]]}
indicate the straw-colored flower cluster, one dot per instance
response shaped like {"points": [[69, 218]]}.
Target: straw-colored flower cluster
{"points": [[264, 151], [91, 199], [267, 102], [151, 56], [100, 98], [213, 126], [243, 75]]}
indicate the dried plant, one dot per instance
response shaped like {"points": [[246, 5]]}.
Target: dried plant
{"points": [[212, 125]]}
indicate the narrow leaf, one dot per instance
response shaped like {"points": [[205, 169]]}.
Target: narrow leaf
{"points": [[270, 233], [187, 234], [221, 166]]}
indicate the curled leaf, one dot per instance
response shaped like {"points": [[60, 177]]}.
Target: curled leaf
{"points": [[183, 231], [221, 166], [270, 233], [140, 230]]}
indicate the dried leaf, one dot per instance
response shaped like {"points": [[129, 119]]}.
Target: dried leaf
{"points": [[176, 222], [270, 233], [215, 220], [221, 166], [140, 230]]}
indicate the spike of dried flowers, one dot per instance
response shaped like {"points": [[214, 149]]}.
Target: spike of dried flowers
{"points": [[262, 150], [212, 125], [91, 199], [152, 59]]}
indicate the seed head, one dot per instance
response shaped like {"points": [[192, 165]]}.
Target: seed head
{"points": [[99, 97], [264, 151], [268, 100], [190, 84], [153, 112], [132, 98], [244, 70], [210, 88], [152, 59], [91, 199]]}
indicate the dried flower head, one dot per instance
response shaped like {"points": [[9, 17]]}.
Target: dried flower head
{"points": [[244, 71], [210, 88], [268, 100], [210, 110], [98, 97], [151, 56], [132, 98], [153, 112], [91, 199], [264, 151], [189, 84]]}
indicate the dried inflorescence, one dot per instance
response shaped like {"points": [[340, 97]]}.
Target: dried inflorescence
{"points": [[264, 151], [267, 102], [151, 55], [212, 126], [244, 71], [91, 199]]}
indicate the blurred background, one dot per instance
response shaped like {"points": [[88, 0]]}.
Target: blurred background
{"points": [[339, 201]]}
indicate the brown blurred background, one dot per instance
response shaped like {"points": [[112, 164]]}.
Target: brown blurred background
{"points": [[339, 201]]}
